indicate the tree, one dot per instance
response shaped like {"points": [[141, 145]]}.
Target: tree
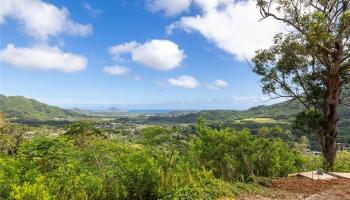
{"points": [[311, 63], [11, 136], [303, 145], [3, 120], [83, 131]]}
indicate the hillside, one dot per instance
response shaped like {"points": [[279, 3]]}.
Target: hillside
{"points": [[26, 109], [18, 107], [284, 111], [281, 114]]}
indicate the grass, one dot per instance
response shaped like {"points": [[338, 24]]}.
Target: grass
{"points": [[259, 120]]}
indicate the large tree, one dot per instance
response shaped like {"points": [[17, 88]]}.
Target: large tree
{"points": [[310, 63]]}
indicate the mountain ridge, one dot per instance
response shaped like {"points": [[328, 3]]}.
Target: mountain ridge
{"points": [[19, 107]]}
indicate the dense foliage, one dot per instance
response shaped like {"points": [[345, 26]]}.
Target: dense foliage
{"points": [[283, 113], [161, 163]]}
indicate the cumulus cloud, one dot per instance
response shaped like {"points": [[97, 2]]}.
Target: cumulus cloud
{"points": [[93, 12], [170, 7], [233, 26], [41, 20], [115, 70], [161, 55], [118, 50], [42, 58], [218, 84], [184, 81]]}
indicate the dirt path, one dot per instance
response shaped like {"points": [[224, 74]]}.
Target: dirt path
{"points": [[291, 188]]}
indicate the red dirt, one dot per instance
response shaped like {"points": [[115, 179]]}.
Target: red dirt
{"points": [[341, 193], [308, 186], [290, 188]]}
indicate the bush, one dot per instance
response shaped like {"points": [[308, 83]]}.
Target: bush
{"points": [[128, 171], [215, 164], [9, 175], [46, 153], [274, 158], [210, 189], [310, 162], [238, 155], [53, 167], [342, 162], [36, 190]]}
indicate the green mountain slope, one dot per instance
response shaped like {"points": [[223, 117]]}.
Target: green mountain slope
{"points": [[281, 113], [285, 111], [18, 107]]}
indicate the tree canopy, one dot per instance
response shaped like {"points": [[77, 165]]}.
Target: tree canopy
{"points": [[310, 63]]}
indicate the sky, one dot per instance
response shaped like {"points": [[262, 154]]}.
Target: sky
{"points": [[140, 54]]}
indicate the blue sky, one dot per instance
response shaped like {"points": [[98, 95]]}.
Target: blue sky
{"points": [[142, 54]]}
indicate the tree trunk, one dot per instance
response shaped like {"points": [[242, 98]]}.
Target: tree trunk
{"points": [[329, 146], [330, 150]]}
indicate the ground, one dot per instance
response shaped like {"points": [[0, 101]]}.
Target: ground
{"points": [[291, 188]]}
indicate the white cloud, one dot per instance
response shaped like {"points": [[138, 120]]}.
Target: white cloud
{"points": [[218, 84], [115, 70], [42, 58], [184, 81], [233, 26], [72, 102], [170, 7], [161, 55], [120, 49], [93, 12], [41, 20], [252, 99]]}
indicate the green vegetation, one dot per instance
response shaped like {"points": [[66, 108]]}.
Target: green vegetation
{"points": [[178, 155], [259, 120], [309, 64], [281, 114], [33, 113], [17, 107], [158, 162]]}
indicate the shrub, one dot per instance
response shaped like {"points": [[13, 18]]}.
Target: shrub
{"points": [[9, 175], [35, 191], [129, 171], [46, 153], [238, 155], [210, 189], [159, 167], [342, 162]]}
